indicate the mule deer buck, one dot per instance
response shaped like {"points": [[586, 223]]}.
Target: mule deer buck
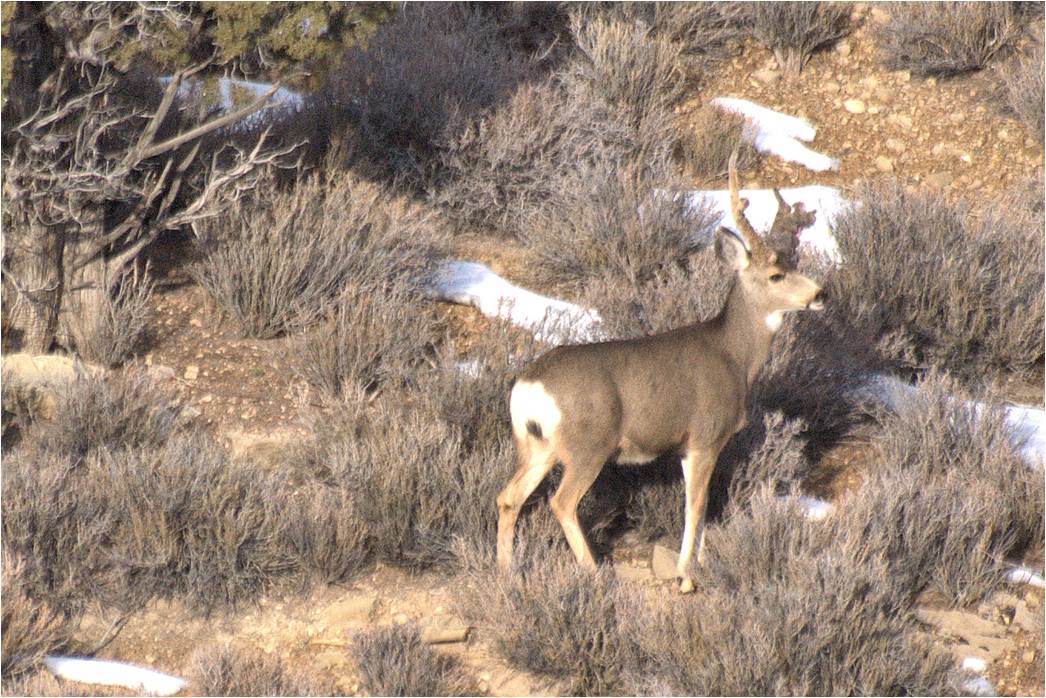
{"points": [[681, 391]]}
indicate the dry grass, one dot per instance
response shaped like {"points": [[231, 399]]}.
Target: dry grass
{"points": [[615, 221], [947, 38], [795, 30], [982, 308], [412, 82], [1025, 88], [375, 339], [112, 338], [222, 669], [716, 134], [555, 619], [275, 261], [626, 65], [393, 661], [31, 628], [948, 500], [125, 409]]}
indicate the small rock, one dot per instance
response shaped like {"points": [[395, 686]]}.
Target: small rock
{"points": [[832, 87], [484, 676], [879, 15], [1028, 657], [401, 619], [957, 118], [900, 120], [884, 164], [207, 398], [894, 145], [1003, 134], [940, 180], [843, 48], [355, 610], [196, 322], [628, 573], [940, 149], [874, 109], [904, 75], [967, 158], [932, 82], [766, 76], [448, 631], [854, 106], [664, 562], [162, 373], [192, 372]]}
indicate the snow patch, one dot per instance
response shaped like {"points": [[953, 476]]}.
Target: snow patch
{"points": [[108, 673], [551, 320], [778, 134]]}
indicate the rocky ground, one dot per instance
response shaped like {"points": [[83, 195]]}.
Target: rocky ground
{"points": [[950, 134]]}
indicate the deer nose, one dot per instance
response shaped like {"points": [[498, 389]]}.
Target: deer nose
{"points": [[818, 301]]}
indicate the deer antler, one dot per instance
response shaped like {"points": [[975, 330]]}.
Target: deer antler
{"points": [[737, 207], [789, 221]]}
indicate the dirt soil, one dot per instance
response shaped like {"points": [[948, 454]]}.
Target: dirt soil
{"points": [[950, 134]]}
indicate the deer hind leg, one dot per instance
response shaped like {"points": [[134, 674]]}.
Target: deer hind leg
{"points": [[578, 476], [535, 460], [697, 471]]}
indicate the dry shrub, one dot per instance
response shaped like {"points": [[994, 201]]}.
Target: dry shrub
{"points": [[553, 618], [1024, 80], [716, 133], [949, 500], [608, 106], [393, 661], [981, 309], [125, 409], [375, 338], [946, 38], [120, 526], [421, 72], [705, 33], [616, 221], [500, 168], [673, 298], [324, 534], [276, 260], [795, 30], [223, 669], [112, 337], [627, 66], [31, 628], [825, 626]]}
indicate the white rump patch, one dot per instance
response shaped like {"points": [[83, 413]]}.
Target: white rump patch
{"points": [[774, 320], [530, 402]]}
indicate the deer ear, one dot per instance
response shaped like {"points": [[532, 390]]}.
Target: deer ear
{"points": [[732, 250]]}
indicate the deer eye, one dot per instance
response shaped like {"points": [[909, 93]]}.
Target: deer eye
{"points": [[777, 276]]}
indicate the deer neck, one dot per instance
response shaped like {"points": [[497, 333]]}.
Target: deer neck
{"points": [[746, 330]]}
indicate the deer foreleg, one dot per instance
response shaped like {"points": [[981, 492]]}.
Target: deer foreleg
{"points": [[697, 470]]}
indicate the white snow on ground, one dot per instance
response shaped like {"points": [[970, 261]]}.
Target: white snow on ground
{"points": [[1027, 424], [814, 508], [107, 673], [778, 134], [552, 320], [1018, 574], [762, 207]]}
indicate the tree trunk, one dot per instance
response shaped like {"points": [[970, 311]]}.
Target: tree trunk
{"points": [[38, 270], [86, 293]]}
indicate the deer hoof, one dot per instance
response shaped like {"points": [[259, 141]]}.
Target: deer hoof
{"points": [[686, 586]]}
